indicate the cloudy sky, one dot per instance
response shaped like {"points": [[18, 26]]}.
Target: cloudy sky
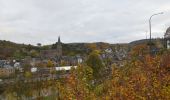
{"points": [[113, 21]]}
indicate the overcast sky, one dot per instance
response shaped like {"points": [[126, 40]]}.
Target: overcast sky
{"points": [[113, 21]]}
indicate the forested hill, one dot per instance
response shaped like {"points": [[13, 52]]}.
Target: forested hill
{"points": [[10, 49], [85, 48], [159, 42]]}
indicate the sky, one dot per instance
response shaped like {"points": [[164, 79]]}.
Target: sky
{"points": [[112, 21]]}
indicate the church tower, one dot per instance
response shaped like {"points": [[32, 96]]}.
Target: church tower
{"points": [[167, 38], [59, 48]]}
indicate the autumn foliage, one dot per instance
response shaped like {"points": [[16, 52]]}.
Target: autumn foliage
{"points": [[146, 77], [143, 77]]}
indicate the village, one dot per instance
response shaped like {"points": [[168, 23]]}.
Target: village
{"points": [[84, 50], [52, 61]]}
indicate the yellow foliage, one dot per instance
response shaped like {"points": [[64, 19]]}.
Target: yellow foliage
{"points": [[50, 63]]}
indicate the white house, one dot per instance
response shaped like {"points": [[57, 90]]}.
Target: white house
{"points": [[67, 68]]}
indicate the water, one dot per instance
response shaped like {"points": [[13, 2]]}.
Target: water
{"points": [[46, 90]]}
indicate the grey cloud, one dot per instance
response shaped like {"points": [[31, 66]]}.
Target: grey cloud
{"points": [[33, 21]]}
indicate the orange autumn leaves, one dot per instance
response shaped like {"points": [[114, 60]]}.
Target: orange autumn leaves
{"points": [[143, 77]]}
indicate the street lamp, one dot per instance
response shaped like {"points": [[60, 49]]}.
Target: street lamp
{"points": [[150, 25]]}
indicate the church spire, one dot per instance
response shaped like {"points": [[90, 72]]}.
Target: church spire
{"points": [[59, 48], [59, 41]]}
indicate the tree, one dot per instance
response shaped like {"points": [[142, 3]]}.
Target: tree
{"points": [[40, 65], [50, 64], [139, 50], [92, 46], [28, 74], [18, 54], [39, 44], [27, 67], [34, 53], [96, 64]]}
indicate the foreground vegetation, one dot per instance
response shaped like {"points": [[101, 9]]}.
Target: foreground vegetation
{"points": [[143, 77]]}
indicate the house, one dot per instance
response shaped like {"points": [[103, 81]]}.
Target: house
{"points": [[3, 62], [17, 65], [6, 69], [71, 60], [66, 68], [115, 56], [108, 50], [79, 59]]}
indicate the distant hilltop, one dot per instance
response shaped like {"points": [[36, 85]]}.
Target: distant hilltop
{"points": [[10, 49], [159, 42]]}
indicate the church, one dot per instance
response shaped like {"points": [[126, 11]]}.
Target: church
{"points": [[53, 53]]}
